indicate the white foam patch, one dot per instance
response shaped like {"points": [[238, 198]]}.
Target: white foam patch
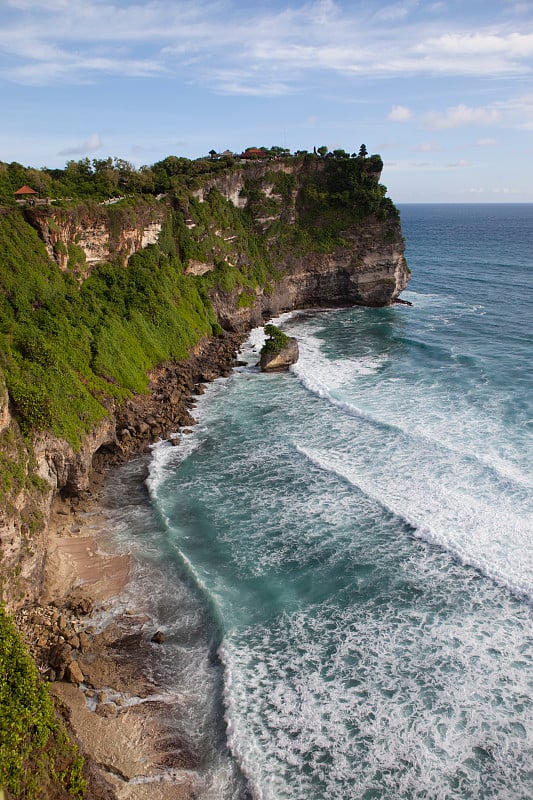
{"points": [[397, 702], [428, 413], [166, 457], [333, 373]]}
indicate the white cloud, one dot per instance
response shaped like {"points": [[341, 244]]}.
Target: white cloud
{"points": [[459, 116], [518, 112], [91, 144], [517, 45], [427, 147], [392, 13], [486, 142], [460, 163], [400, 114], [226, 46]]}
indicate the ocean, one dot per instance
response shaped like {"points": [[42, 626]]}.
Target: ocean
{"points": [[341, 557]]}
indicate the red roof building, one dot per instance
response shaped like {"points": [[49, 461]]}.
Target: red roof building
{"points": [[25, 191], [254, 152]]}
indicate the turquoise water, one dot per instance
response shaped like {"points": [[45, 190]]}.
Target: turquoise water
{"points": [[342, 556]]}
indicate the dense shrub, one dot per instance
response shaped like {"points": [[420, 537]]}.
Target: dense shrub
{"points": [[276, 340], [37, 759]]}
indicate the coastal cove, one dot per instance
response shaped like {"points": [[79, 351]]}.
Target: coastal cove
{"points": [[271, 602], [338, 557], [115, 311]]}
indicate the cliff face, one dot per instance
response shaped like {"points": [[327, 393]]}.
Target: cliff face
{"points": [[24, 506], [362, 264], [81, 237], [369, 270], [243, 246], [366, 266]]}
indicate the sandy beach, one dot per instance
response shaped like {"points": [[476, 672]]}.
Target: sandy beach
{"points": [[96, 654]]}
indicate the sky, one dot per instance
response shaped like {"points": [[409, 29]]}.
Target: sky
{"points": [[443, 91]]}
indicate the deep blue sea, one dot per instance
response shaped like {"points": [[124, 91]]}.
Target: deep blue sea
{"points": [[342, 556]]}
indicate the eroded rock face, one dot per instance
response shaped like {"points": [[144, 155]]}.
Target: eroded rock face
{"points": [[23, 513], [281, 361], [80, 238], [64, 468], [369, 270]]}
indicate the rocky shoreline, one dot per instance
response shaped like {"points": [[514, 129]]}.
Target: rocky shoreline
{"points": [[98, 657]]}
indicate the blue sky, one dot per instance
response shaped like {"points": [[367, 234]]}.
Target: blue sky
{"points": [[442, 90]]}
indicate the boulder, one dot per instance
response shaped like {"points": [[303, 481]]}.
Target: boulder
{"points": [[60, 658], [74, 641], [74, 674], [85, 641], [106, 710], [282, 360]]}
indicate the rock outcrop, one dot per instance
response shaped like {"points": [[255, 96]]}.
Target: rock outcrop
{"points": [[282, 360], [90, 234]]}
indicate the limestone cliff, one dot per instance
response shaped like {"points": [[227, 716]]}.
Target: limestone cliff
{"points": [[24, 506], [362, 263], [89, 234]]}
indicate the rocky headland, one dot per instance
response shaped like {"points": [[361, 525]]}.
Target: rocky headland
{"points": [[230, 250]]}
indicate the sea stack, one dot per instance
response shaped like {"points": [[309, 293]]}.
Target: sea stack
{"points": [[279, 351]]}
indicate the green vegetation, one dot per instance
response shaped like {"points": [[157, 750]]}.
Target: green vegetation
{"points": [[346, 191], [65, 350], [276, 340], [103, 178], [37, 759]]}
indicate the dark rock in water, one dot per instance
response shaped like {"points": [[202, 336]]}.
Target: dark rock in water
{"points": [[402, 302], [280, 361], [158, 637], [74, 641], [85, 641], [80, 605]]}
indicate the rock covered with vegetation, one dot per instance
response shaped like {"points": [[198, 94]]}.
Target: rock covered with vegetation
{"points": [[279, 350]]}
